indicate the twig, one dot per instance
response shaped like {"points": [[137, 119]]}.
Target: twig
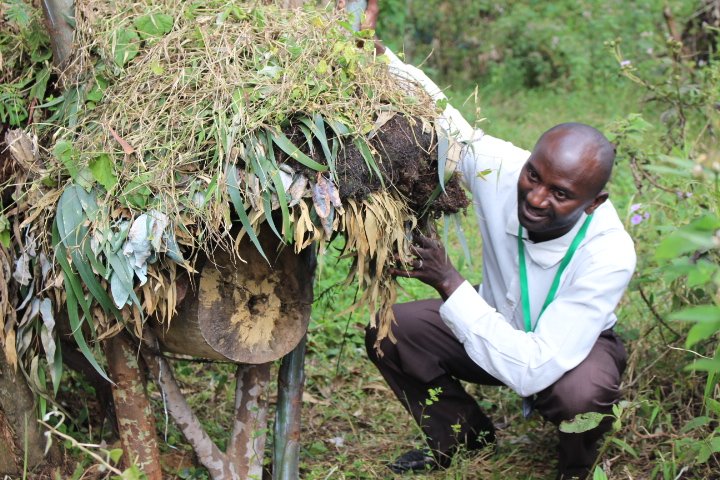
{"points": [[208, 453], [85, 447], [656, 314], [689, 351]]}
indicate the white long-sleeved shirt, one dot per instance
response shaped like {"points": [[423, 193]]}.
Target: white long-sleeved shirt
{"points": [[489, 322]]}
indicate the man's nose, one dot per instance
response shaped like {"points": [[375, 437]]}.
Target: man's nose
{"points": [[538, 197]]}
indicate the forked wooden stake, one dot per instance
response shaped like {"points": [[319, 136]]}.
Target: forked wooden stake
{"points": [[244, 455]]}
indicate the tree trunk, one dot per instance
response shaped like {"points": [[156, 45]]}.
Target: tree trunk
{"points": [[21, 439]]}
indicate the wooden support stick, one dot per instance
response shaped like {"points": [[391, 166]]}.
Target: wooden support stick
{"points": [[247, 444], [57, 13], [244, 455], [208, 453], [291, 379], [136, 421]]}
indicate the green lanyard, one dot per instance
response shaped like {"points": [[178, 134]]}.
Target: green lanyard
{"points": [[524, 291]]}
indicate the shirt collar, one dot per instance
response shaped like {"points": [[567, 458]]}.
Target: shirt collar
{"points": [[549, 253]]}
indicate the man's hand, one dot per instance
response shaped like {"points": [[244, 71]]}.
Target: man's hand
{"points": [[432, 266], [371, 15]]}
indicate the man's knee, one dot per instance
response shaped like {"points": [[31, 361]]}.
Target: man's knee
{"points": [[570, 396], [377, 350], [371, 334]]}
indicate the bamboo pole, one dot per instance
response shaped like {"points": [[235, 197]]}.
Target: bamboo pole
{"points": [[291, 379]]}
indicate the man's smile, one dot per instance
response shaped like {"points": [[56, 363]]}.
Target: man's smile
{"points": [[530, 214]]}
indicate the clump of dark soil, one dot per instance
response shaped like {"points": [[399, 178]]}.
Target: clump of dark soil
{"points": [[408, 163]]}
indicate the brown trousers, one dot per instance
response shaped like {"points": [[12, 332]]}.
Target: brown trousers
{"points": [[428, 356]]}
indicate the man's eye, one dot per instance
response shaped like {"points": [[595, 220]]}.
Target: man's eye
{"points": [[560, 195], [532, 175]]}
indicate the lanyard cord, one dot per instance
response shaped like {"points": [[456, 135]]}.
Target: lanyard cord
{"points": [[524, 290]]}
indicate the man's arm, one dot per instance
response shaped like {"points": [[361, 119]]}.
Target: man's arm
{"points": [[567, 331], [451, 120]]}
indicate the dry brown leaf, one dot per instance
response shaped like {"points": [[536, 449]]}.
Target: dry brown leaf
{"points": [[127, 149]]}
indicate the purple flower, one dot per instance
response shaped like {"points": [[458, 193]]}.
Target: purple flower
{"points": [[636, 219], [625, 63], [635, 207], [646, 215]]}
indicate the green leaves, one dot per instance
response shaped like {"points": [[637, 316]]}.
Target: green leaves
{"points": [[294, 152], [137, 192], [364, 149], [707, 319], [153, 25], [103, 171], [582, 422], [74, 295], [234, 193], [125, 46], [698, 235], [67, 156], [126, 41], [4, 231]]}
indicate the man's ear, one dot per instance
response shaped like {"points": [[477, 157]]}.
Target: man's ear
{"points": [[599, 200]]}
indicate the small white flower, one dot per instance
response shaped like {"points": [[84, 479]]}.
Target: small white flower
{"points": [[337, 441]]}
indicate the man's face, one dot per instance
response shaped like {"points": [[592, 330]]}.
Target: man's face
{"points": [[556, 185]]}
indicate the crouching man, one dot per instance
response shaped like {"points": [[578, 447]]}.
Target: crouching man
{"points": [[556, 261]]}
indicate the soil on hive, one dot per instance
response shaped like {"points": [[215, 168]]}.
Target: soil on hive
{"points": [[408, 162]]}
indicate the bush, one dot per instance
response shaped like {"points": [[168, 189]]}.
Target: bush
{"points": [[525, 44]]}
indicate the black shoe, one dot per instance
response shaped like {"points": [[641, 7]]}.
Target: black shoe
{"points": [[414, 461]]}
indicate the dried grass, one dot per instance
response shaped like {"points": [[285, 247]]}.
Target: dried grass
{"points": [[164, 119]]}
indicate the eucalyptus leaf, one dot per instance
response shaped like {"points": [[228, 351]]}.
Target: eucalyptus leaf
{"points": [[74, 297], [234, 193], [47, 338]]}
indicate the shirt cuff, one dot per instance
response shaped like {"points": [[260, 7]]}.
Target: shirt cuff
{"points": [[456, 311]]}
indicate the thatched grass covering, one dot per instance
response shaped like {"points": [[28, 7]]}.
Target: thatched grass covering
{"points": [[180, 122]]}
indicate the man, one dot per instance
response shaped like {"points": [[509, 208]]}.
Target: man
{"points": [[556, 261]]}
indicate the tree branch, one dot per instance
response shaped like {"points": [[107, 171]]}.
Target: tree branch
{"points": [[209, 455]]}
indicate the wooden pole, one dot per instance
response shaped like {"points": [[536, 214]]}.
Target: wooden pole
{"points": [[57, 13], [244, 455], [291, 380], [138, 434], [247, 445]]}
